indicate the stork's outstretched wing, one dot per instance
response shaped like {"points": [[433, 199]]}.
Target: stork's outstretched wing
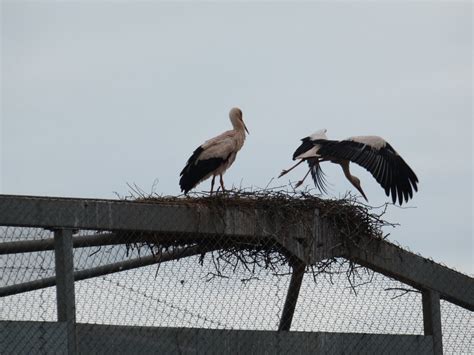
{"points": [[379, 158], [308, 149]]}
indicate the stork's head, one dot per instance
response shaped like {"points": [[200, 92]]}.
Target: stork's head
{"points": [[237, 120], [356, 183]]}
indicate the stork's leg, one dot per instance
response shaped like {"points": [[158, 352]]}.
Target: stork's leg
{"points": [[222, 183], [212, 184], [299, 183], [283, 172]]}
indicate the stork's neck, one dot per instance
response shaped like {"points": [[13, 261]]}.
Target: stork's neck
{"points": [[345, 168], [238, 126], [239, 137]]}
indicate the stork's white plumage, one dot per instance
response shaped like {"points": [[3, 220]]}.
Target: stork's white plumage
{"points": [[371, 152], [214, 156]]}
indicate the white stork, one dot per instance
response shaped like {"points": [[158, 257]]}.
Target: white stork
{"points": [[214, 156], [371, 152]]}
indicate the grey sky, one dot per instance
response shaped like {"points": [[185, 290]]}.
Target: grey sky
{"points": [[95, 95]]}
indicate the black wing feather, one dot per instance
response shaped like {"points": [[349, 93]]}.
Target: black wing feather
{"points": [[385, 165], [306, 145], [195, 170]]}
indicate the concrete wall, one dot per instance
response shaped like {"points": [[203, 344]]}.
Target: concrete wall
{"points": [[44, 337]]}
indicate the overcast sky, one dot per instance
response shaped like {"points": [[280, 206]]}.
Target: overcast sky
{"points": [[98, 95]]}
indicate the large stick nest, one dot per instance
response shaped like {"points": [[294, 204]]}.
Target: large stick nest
{"points": [[349, 217]]}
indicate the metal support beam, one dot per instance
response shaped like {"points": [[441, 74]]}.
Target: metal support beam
{"points": [[107, 269], [432, 319], [85, 241], [65, 298], [154, 217], [412, 269], [292, 297]]}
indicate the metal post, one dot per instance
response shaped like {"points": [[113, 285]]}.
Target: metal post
{"points": [[432, 319], [292, 297], [66, 302]]}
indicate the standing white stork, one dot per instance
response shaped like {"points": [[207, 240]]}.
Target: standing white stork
{"points": [[214, 156], [371, 152]]}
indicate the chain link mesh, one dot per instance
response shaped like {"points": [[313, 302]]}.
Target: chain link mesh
{"points": [[214, 288]]}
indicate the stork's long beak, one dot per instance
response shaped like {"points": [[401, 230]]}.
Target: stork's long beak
{"points": [[245, 127], [362, 192]]}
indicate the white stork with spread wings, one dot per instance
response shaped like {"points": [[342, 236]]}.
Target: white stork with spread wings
{"points": [[371, 152], [214, 156]]}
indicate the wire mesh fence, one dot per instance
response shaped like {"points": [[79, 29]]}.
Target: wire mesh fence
{"points": [[162, 291]]}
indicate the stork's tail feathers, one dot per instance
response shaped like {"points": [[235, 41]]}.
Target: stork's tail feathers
{"points": [[319, 177]]}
